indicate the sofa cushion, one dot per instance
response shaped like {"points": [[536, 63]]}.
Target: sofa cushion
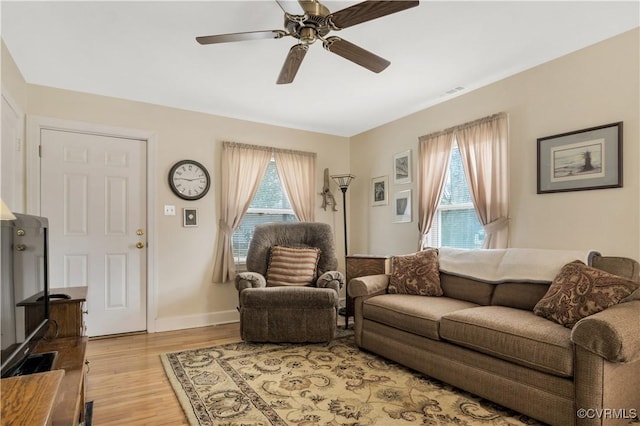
{"points": [[416, 273], [292, 266], [468, 289], [519, 295], [579, 291], [418, 315], [514, 335]]}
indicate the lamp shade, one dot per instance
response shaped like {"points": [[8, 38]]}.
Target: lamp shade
{"points": [[343, 181], [5, 212]]}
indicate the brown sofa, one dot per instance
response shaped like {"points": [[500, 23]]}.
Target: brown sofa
{"points": [[483, 337]]}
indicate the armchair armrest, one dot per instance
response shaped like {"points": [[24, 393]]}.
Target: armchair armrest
{"points": [[368, 285], [249, 280], [612, 333], [331, 279]]}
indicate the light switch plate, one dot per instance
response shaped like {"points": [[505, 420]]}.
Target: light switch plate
{"points": [[169, 210]]}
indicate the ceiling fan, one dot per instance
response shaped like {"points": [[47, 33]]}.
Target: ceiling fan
{"points": [[308, 21]]}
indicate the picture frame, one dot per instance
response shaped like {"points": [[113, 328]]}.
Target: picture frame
{"points": [[402, 206], [380, 191], [580, 160], [402, 166], [189, 218]]}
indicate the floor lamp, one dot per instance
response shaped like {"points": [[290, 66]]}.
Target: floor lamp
{"points": [[343, 182]]}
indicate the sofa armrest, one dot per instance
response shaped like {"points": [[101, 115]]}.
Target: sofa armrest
{"points": [[249, 280], [368, 285], [612, 333], [331, 279]]}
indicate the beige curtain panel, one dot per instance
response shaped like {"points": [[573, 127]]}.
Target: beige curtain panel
{"points": [[242, 169], [297, 171], [485, 158], [434, 154]]}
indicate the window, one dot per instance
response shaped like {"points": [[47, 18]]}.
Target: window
{"points": [[270, 204], [456, 223]]}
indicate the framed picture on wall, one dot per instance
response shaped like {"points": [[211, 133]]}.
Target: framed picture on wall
{"points": [[581, 160], [380, 191], [189, 218], [402, 167], [402, 206]]}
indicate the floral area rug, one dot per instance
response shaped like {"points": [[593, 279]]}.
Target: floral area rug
{"points": [[317, 384]]}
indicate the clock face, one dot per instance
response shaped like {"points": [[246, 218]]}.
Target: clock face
{"points": [[189, 180]]}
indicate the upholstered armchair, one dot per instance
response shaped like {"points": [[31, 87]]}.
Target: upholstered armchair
{"points": [[290, 290]]}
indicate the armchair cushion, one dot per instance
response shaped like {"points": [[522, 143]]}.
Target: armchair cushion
{"points": [[292, 266]]}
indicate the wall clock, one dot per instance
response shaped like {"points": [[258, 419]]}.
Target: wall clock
{"points": [[189, 180]]}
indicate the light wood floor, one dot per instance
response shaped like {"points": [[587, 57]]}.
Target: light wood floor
{"points": [[126, 379]]}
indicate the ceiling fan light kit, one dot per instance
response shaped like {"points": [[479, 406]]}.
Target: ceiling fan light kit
{"points": [[309, 20]]}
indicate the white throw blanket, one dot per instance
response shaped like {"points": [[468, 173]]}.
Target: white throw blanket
{"points": [[512, 264]]}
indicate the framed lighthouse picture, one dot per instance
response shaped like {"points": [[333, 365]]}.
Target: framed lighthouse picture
{"points": [[581, 160]]}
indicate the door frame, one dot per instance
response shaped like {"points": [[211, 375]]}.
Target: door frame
{"points": [[35, 125]]}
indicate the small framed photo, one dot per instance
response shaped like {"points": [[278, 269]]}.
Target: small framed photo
{"points": [[581, 160], [380, 191], [189, 218], [402, 206], [402, 167]]}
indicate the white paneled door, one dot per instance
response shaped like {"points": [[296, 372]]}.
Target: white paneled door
{"points": [[93, 191]]}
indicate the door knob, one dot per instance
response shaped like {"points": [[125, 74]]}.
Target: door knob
{"points": [[140, 245]]}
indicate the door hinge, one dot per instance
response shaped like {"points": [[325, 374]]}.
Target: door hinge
{"points": [[40, 151]]}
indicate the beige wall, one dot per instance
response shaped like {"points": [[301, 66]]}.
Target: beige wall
{"points": [[185, 293], [12, 79], [595, 86]]}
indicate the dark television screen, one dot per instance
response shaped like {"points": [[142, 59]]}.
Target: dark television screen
{"points": [[24, 274]]}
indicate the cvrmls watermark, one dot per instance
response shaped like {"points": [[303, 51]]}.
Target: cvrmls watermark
{"points": [[607, 413]]}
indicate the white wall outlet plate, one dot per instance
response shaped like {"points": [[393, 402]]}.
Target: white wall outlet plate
{"points": [[169, 210]]}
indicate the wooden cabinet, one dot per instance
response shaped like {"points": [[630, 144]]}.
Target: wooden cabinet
{"points": [[69, 409], [360, 266], [67, 378], [66, 315]]}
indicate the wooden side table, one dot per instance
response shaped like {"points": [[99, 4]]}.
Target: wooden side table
{"points": [[360, 265]]}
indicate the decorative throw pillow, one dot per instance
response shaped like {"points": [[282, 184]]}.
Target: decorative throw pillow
{"points": [[579, 291], [417, 273], [292, 265]]}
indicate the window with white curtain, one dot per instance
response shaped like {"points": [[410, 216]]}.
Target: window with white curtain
{"points": [[456, 223], [270, 204]]}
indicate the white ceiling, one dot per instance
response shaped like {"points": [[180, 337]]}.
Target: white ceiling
{"points": [[146, 51]]}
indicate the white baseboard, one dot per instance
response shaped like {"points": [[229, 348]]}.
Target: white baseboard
{"points": [[193, 321]]}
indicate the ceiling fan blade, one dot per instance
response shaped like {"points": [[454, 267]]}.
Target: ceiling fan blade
{"points": [[356, 54], [368, 10], [291, 7], [292, 63], [251, 35]]}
